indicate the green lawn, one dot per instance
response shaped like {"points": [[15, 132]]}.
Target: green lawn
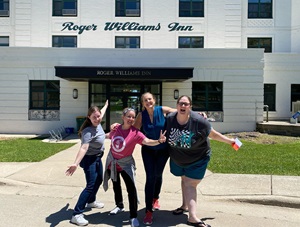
{"points": [[29, 150], [266, 154], [254, 158]]}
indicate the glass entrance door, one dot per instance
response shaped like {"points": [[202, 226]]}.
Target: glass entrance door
{"points": [[120, 96], [119, 101]]}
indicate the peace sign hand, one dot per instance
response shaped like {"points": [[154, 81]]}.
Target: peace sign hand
{"points": [[162, 137]]}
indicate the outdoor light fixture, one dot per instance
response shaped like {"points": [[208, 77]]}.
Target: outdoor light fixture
{"points": [[75, 93], [176, 94]]}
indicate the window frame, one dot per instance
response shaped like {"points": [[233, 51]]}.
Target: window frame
{"points": [[270, 94], [59, 10], [62, 41], [125, 11], [207, 95], [190, 44], [138, 38], [261, 8], [46, 93], [260, 43], [187, 8]]}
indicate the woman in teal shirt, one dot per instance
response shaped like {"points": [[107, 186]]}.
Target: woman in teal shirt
{"points": [[152, 121]]}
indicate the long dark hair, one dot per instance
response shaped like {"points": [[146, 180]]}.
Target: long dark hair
{"points": [[87, 121]]}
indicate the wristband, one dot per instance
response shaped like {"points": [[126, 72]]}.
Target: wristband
{"points": [[158, 141]]}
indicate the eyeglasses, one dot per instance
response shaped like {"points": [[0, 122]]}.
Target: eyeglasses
{"points": [[183, 103]]}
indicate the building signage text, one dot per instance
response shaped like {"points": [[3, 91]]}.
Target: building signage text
{"points": [[126, 26], [80, 28], [123, 73]]}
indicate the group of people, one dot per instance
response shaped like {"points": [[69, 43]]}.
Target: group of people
{"points": [[178, 133]]}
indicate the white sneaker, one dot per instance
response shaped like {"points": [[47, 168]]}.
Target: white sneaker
{"points": [[95, 204], [79, 220], [116, 210], [134, 222]]}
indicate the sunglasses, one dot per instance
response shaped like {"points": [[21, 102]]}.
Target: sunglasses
{"points": [[127, 110]]}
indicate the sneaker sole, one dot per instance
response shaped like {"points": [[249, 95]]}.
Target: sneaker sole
{"points": [[78, 224], [90, 207]]}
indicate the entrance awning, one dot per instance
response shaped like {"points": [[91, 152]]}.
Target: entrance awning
{"points": [[119, 73]]}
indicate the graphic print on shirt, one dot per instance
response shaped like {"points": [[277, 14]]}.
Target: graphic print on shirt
{"points": [[118, 143], [180, 138]]}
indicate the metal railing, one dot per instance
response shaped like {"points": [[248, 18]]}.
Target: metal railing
{"points": [[266, 107]]}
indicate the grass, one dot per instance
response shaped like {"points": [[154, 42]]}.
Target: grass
{"points": [[29, 150], [260, 154]]}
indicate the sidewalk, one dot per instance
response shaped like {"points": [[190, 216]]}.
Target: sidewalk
{"points": [[39, 194]]}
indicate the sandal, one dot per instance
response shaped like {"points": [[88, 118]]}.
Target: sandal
{"points": [[198, 224], [179, 211]]}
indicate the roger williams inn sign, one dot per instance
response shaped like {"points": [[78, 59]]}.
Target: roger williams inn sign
{"points": [[83, 73], [124, 26]]}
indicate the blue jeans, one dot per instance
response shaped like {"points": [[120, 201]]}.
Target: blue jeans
{"points": [[154, 164], [93, 170]]}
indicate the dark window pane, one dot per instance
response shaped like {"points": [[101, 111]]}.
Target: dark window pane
{"points": [[270, 96], [4, 5], [64, 7], [190, 42], [191, 8], [127, 42], [260, 9], [207, 96], [129, 8], [44, 95], [265, 43], [4, 41], [64, 41]]}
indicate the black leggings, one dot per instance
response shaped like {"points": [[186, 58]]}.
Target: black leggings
{"points": [[131, 190]]}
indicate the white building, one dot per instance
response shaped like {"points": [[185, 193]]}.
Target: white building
{"points": [[231, 56]]}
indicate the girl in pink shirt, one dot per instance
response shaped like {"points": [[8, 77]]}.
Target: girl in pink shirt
{"points": [[120, 162]]}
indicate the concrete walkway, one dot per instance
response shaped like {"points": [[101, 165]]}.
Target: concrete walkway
{"points": [[39, 194]]}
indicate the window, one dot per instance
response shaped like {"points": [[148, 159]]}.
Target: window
{"points": [[261, 43], [44, 95], [4, 41], [260, 9], [4, 8], [127, 42], [191, 8], [64, 41], [190, 42], [128, 8], [207, 96], [270, 96], [65, 8], [295, 93]]}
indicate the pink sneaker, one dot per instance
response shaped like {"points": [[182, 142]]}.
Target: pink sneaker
{"points": [[148, 218], [155, 204]]}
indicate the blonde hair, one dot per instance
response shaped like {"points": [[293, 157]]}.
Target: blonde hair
{"points": [[142, 98]]}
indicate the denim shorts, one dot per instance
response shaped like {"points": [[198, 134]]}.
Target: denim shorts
{"points": [[194, 171]]}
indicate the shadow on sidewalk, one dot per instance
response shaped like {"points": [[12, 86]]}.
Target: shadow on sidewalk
{"points": [[63, 214], [161, 218]]}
